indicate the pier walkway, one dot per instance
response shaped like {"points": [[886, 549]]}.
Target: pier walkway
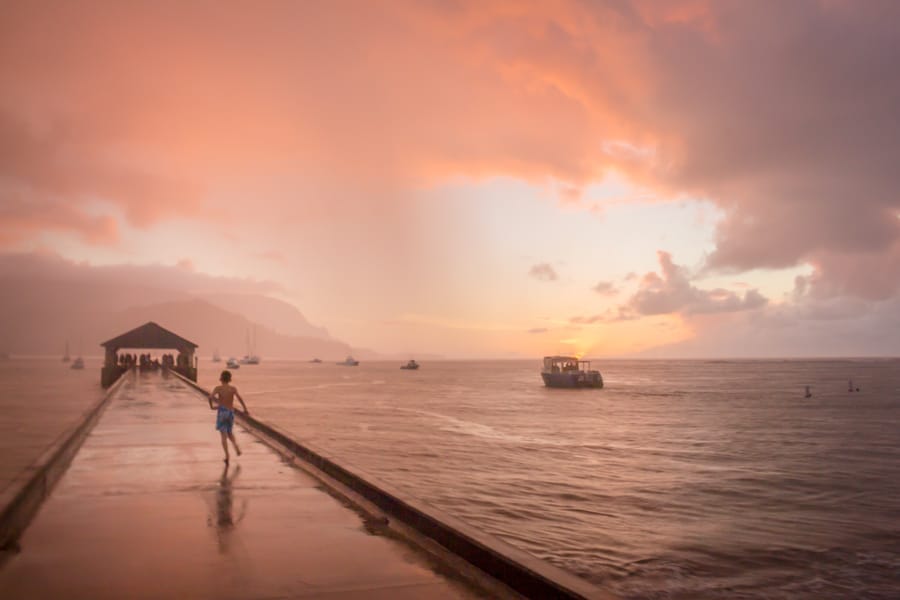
{"points": [[147, 509]]}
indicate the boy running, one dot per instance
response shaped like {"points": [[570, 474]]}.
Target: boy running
{"points": [[222, 398]]}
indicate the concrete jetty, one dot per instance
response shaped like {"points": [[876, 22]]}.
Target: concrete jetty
{"points": [[148, 509]]}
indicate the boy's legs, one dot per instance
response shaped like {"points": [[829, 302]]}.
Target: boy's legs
{"points": [[233, 441], [224, 444]]}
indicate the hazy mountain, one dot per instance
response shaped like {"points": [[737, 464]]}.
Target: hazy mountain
{"points": [[214, 328], [46, 301], [38, 316], [277, 315]]}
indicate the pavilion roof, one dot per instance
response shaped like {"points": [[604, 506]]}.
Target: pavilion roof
{"points": [[149, 335]]}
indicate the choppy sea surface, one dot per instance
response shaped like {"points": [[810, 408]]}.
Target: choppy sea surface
{"points": [[679, 479]]}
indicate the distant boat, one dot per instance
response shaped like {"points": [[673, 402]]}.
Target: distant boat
{"points": [[316, 360], [411, 365], [233, 364], [216, 357], [349, 362], [66, 357], [251, 358], [78, 363], [569, 372]]}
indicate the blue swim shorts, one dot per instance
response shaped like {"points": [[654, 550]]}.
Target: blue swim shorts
{"points": [[224, 419]]}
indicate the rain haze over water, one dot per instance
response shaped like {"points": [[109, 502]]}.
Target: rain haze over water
{"points": [[680, 479]]}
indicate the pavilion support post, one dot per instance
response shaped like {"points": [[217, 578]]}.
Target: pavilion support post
{"points": [[111, 370], [190, 366]]}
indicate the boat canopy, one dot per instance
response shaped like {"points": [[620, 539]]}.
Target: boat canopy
{"points": [[565, 363]]}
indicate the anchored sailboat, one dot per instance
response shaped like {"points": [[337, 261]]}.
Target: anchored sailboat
{"points": [[78, 363], [251, 358]]}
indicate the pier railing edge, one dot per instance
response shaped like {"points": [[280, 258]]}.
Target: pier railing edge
{"points": [[520, 571], [22, 499]]}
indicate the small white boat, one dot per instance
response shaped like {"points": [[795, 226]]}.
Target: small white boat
{"points": [[250, 359], [349, 362], [570, 372], [78, 363], [410, 366], [233, 364]]}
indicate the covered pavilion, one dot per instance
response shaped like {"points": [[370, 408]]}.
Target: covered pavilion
{"points": [[149, 335]]}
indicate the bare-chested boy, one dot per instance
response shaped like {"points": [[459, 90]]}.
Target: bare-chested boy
{"points": [[222, 398]]}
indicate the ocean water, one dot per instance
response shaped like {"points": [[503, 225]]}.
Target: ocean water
{"points": [[680, 479], [40, 399]]}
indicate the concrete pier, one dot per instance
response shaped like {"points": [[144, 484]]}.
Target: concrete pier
{"points": [[149, 510]]}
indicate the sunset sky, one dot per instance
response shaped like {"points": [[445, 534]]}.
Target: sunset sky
{"points": [[484, 178]]}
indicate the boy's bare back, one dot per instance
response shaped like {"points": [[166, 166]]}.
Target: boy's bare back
{"points": [[225, 395]]}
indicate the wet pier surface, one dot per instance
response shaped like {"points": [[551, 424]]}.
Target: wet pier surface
{"points": [[149, 510]]}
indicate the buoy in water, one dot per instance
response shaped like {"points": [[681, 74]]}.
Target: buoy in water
{"points": [[808, 393]]}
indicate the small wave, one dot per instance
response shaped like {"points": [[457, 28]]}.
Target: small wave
{"points": [[480, 430], [318, 386]]}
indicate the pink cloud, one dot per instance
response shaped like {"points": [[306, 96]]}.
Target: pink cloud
{"points": [[671, 291], [786, 116], [24, 215], [48, 266], [605, 288], [543, 272], [571, 195], [54, 172], [271, 255]]}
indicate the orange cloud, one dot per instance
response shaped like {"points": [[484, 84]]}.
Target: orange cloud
{"points": [[163, 110], [24, 216]]}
